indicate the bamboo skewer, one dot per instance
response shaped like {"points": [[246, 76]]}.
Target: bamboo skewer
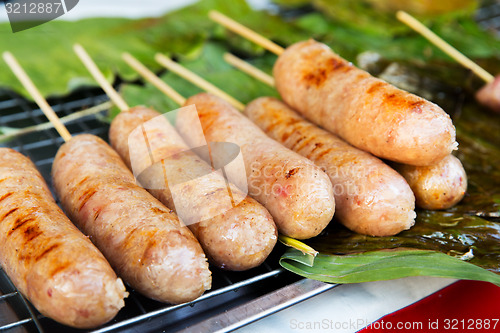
{"points": [[99, 77], [153, 79], [444, 46], [249, 34], [199, 81], [404, 17], [37, 96], [205, 85], [13, 132], [249, 69]]}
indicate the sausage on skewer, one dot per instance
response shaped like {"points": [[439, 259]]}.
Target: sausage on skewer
{"points": [[438, 186], [144, 241], [47, 258], [297, 193], [371, 198], [365, 111], [237, 234]]}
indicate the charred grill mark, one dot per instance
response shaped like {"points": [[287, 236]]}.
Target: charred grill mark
{"points": [[32, 232], [157, 210], [19, 223], [317, 145], [5, 196], [323, 71], [47, 251], [28, 217], [375, 87], [97, 213], [323, 153], [291, 172], [10, 212], [271, 127], [303, 143], [59, 268], [81, 182], [286, 135], [297, 142], [85, 197], [416, 106]]}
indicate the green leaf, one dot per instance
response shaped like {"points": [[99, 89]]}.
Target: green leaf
{"points": [[210, 65], [56, 69], [384, 265]]}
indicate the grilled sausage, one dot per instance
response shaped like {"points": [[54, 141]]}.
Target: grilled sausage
{"points": [[367, 112], [146, 243], [489, 95], [438, 186], [237, 234], [297, 193], [47, 258], [371, 198]]}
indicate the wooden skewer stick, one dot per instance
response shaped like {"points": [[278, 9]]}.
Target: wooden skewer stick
{"points": [[37, 96], [99, 77], [197, 80], [249, 69], [444, 46], [153, 79], [205, 85], [241, 30]]}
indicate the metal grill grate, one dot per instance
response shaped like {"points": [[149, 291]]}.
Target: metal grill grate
{"points": [[230, 289]]}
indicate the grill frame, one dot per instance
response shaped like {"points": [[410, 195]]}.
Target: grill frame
{"points": [[230, 289]]}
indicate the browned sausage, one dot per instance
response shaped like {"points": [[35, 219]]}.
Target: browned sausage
{"points": [[371, 198], [489, 95], [146, 243], [47, 258], [366, 112], [297, 193], [234, 237], [438, 186]]}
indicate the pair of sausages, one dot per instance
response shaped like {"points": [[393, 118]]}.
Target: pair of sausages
{"points": [[297, 193], [146, 243], [236, 232], [366, 112], [376, 117], [371, 198], [47, 258]]}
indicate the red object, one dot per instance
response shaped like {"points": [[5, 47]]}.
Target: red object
{"points": [[464, 306]]}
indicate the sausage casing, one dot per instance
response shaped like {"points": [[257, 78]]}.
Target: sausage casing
{"points": [[47, 258], [438, 186], [237, 237], [146, 243], [367, 112], [297, 193], [371, 198]]}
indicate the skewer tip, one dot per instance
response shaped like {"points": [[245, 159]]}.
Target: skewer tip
{"points": [[7, 55]]}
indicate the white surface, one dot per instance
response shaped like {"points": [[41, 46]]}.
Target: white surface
{"points": [[117, 8], [128, 8], [348, 308]]}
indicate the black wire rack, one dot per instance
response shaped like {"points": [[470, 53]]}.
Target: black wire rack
{"points": [[229, 289]]}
